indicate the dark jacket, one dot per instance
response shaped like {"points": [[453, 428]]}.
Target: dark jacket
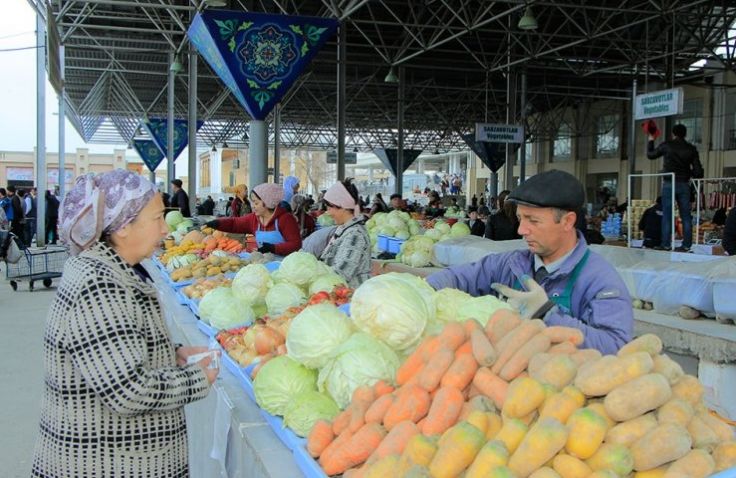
{"points": [[17, 204], [680, 157], [181, 200], [52, 208], [651, 224], [729, 233], [478, 228], [208, 207], [501, 228]]}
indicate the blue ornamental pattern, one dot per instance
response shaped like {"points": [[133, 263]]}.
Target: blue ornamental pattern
{"points": [[149, 153], [258, 56], [158, 129]]}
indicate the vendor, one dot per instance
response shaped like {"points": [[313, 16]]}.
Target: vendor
{"points": [[729, 233], [558, 279], [276, 230], [348, 250]]}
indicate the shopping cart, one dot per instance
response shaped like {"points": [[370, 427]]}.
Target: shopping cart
{"points": [[37, 264]]}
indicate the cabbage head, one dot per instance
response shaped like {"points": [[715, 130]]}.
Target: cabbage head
{"points": [[481, 308], [223, 310], [326, 282], [303, 413], [394, 308], [362, 360], [433, 234], [442, 227], [252, 283], [299, 268], [173, 218], [280, 382], [449, 301], [459, 229], [282, 296], [316, 333], [325, 220]]}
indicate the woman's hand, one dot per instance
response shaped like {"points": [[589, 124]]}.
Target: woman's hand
{"points": [[184, 352], [211, 373]]}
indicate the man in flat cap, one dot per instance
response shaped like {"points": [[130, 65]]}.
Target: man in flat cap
{"points": [[558, 279]]}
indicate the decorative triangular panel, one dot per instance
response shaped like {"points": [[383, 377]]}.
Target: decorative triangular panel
{"points": [[389, 158], [158, 128], [149, 153], [257, 55], [491, 154]]}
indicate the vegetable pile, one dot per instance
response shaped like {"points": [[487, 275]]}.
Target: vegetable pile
{"points": [[418, 251], [517, 399], [396, 223]]}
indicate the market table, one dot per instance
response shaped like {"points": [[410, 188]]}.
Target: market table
{"points": [[227, 434]]}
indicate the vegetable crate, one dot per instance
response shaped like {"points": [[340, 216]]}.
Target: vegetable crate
{"points": [[242, 374], [37, 264], [307, 464], [206, 329]]}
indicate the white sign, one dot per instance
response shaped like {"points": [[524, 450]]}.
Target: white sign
{"points": [[659, 104], [499, 133]]}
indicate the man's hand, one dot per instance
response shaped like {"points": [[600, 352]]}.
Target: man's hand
{"points": [[533, 303], [266, 248]]}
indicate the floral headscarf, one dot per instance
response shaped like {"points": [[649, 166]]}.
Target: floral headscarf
{"points": [[102, 203]]}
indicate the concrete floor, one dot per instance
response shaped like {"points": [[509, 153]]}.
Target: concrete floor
{"points": [[22, 322]]}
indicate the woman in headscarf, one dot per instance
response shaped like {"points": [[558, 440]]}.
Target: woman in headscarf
{"points": [[275, 228], [115, 384], [300, 206], [240, 206], [348, 251], [291, 187], [379, 205]]}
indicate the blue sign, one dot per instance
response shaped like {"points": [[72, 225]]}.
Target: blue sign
{"points": [[158, 128], [257, 55], [149, 153], [390, 157]]}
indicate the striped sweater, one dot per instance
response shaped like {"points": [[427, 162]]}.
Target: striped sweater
{"points": [[114, 396]]}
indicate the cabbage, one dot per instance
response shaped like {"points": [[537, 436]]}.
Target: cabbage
{"points": [[282, 296], [326, 282], [442, 227], [223, 310], [459, 229], [433, 234], [303, 413], [481, 308], [449, 301], [325, 220], [393, 307], [174, 218], [362, 360], [299, 268], [252, 283], [280, 382], [316, 333]]}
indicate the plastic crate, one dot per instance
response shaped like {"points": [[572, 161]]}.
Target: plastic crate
{"points": [[193, 305], [394, 245], [382, 242], [345, 308], [272, 266], [730, 473], [307, 464], [180, 297], [285, 434], [206, 329]]}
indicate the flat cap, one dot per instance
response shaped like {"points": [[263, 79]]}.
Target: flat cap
{"points": [[553, 188]]}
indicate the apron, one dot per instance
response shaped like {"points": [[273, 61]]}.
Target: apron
{"points": [[564, 300], [270, 237]]}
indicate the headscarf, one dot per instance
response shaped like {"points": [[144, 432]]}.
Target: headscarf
{"points": [[102, 203], [289, 183], [240, 189], [271, 194], [339, 196], [297, 201]]}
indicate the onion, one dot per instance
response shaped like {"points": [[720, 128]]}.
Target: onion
{"points": [[267, 340]]}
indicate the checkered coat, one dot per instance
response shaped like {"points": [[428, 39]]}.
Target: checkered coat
{"points": [[348, 252], [114, 396]]}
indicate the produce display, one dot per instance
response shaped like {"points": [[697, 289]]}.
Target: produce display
{"points": [[211, 266], [200, 287], [396, 224], [418, 251], [517, 399]]}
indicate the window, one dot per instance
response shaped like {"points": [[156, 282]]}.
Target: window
{"points": [[232, 178], [607, 138], [562, 149], [730, 121], [204, 172], [528, 156], [692, 118]]}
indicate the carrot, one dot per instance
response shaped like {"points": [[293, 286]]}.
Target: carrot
{"points": [[339, 441], [559, 333], [514, 340], [563, 348], [464, 349], [382, 388], [436, 367], [537, 362], [395, 441], [482, 349], [363, 397], [461, 372], [411, 403], [491, 385], [341, 421], [520, 360], [473, 391], [452, 335], [444, 411], [501, 323], [319, 437], [470, 325], [412, 365], [355, 450], [378, 409], [430, 347]]}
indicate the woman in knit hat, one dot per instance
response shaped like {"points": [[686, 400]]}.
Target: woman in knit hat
{"points": [[276, 229], [115, 384]]}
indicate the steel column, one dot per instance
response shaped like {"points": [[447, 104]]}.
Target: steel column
{"points": [[632, 131], [170, 127], [62, 128], [276, 142], [40, 131], [192, 128], [341, 91], [522, 157], [258, 167], [400, 126]]}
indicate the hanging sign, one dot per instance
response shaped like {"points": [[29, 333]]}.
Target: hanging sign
{"points": [[659, 104], [350, 158], [149, 152], [158, 129], [499, 133]]}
